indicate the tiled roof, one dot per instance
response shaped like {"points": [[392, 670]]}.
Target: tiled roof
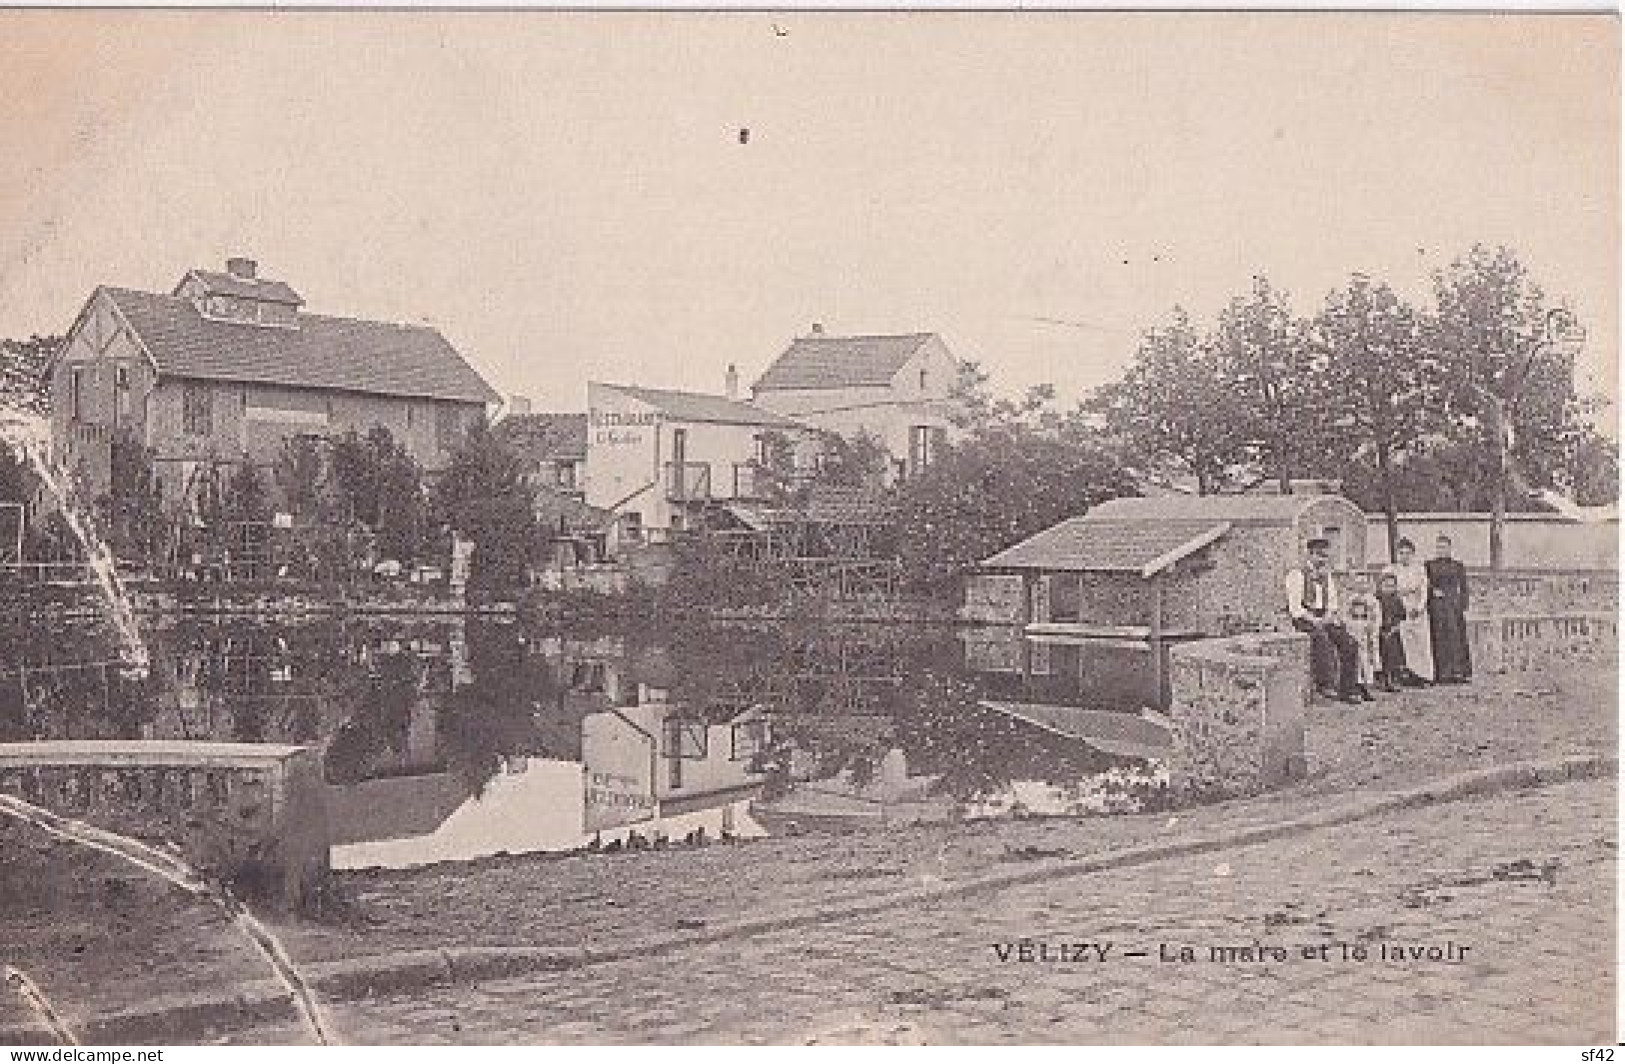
{"points": [[698, 406], [1094, 544], [540, 437], [340, 354], [848, 506], [1241, 509], [248, 287], [841, 361], [824, 506]]}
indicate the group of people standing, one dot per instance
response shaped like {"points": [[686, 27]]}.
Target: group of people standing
{"points": [[1409, 630]]}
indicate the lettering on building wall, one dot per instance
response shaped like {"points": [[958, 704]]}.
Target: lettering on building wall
{"points": [[620, 428]]}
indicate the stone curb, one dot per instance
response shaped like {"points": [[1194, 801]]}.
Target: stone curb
{"points": [[359, 978]]}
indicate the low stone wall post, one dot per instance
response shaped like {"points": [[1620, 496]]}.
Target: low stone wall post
{"points": [[1238, 712], [245, 813]]}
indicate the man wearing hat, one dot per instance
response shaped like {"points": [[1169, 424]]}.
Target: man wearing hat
{"points": [[1311, 599]]}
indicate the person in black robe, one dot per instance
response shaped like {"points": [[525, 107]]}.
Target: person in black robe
{"points": [[1447, 616]]}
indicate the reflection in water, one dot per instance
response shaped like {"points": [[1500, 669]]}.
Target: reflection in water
{"points": [[450, 741]]}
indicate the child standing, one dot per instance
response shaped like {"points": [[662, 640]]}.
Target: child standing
{"points": [[1390, 644], [1363, 619]]}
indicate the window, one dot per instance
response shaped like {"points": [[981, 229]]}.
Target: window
{"points": [[686, 739], [922, 378], [409, 415], [449, 427], [121, 377], [750, 738], [764, 449], [919, 448], [76, 392], [197, 410], [569, 477]]}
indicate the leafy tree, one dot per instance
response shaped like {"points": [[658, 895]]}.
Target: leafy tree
{"points": [[482, 495], [857, 461], [246, 499], [1266, 357], [378, 483], [1509, 360], [1377, 380], [23, 383], [300, 475], [133, 508], [1175, 407], [1592, 473], [1003, 483]]}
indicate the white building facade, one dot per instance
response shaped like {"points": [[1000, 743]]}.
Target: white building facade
{"points": [[897, 389], [658, 459]]}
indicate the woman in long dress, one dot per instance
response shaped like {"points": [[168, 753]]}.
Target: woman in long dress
{"points": [[1447, 615], [1412, 578]]}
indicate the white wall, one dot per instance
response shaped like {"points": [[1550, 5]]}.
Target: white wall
{"points": [[629, 443], [887, 412], [1530, 541], [622, 452]]}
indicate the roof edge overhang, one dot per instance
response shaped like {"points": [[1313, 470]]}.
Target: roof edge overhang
{"points": [[237, 378], [1184, 550]]}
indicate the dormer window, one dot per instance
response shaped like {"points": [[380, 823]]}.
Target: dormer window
{"points": [[240, 295]]}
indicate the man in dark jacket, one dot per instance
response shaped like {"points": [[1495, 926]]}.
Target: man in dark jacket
{"points": [[1311, 598]]}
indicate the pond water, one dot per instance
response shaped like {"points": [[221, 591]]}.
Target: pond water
{"points": [[447, 740]]}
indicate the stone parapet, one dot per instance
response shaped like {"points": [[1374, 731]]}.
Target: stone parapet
{"points": [[247, 814], [1237, 711], [1517, 642]]}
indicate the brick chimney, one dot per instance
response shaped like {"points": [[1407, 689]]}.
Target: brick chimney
{"points": [[731, 386], [818, 328], [518, 405], [241, 268]]}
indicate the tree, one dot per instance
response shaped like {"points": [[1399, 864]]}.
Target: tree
{"points": [[482, 495], [857, 461], [1376, 380], [378, 483], [1175, 407], [23, 383], [1265, 355], [1592, 473], [1001, 484], [1509, 361], [245, 499], [301, 478], [133, 507]]}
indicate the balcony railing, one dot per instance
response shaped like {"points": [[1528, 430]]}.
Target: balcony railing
{"points": [[688, 481], [751, 481]]}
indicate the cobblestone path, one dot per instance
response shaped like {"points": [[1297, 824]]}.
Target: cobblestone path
{"points": [[1516, 891]]}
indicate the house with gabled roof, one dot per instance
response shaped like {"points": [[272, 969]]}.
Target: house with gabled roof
{"points": [[229, 365], [553, 448], [664, 460], [1193, 565], [897, 389], [1142, 574]]}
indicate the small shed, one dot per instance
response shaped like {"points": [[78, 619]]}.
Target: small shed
{"points": [[1174, 567]]}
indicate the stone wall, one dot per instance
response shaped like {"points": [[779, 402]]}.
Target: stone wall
{"points": [[992, 598], [1518, 642], [1522, 591], [253, 815], [1237, 714]]}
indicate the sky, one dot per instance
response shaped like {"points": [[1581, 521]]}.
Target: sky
{"points": [[566, 195]]}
